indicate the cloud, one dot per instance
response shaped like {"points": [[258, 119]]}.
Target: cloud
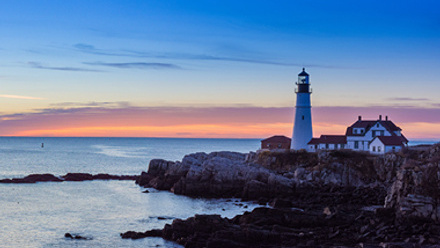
{"points": [[400, 99], [21, 97], [37, 65], [136, 65], [121, 104], [90, 49]]}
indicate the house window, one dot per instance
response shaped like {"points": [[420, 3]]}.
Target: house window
{"points": [[355, 131], [378, 148], [373, 133], [326, 146], [374, 148], [279, 145], [316, 146], [377, 125], [382, 133], [356, 145], [303, 117], [342, 146], [362, 130], [336, 146]]}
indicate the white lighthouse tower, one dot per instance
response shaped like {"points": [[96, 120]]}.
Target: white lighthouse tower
{"points": [[302, 128]]}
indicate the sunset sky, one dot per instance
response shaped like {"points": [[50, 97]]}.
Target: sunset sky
{"points": [[178, 68]]}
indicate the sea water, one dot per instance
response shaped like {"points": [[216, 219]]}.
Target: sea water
{"points": [[38, 215]]}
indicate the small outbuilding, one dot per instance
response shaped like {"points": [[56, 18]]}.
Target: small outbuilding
{"points": [[384, 144], [278, 142], [327, 142]]}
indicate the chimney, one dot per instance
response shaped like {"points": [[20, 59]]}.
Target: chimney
{"points": [[386, 117], [380, 117], [359, 118]]}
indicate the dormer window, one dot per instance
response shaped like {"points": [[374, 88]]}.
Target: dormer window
{"points": [[362, 130], [377, 125], [355, 131]]}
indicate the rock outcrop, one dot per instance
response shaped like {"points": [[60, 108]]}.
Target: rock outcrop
{"points": [[334, 198], [270, 228], [218, 174], [265, 175], [415, 192], [34, 178]]}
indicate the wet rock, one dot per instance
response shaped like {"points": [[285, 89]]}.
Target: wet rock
{"points": [[77, 177], [113, 177], [280, 203], [140, 235], [74, 236], [33, 178]]}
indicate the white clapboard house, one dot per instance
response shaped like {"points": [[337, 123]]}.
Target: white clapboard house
{"points": [[376, 136]]}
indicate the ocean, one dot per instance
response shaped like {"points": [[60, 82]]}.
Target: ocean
{"points": [[38, 215]]}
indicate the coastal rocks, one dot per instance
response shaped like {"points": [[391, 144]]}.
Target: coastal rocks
{"points": [[34, 178], [266, 227], [268, 175], [76, 177], [162, 174], [141, 235], [218, 174], [74, 236], [415, 193], [329, 199]]}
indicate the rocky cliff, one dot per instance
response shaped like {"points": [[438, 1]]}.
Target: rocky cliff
{"points": [[336, 198]]}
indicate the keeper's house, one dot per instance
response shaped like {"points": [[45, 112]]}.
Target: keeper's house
{"points": [[376, 136]]}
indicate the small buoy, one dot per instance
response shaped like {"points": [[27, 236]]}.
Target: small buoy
{"points": [[42, 145]]}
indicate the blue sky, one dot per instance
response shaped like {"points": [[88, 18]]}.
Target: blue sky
{"points": [[69, 54]]}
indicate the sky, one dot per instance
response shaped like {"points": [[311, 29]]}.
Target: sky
{"points": [[215, 69]]}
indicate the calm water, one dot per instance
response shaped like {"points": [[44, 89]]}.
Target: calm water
{"points": [[38, 215]]}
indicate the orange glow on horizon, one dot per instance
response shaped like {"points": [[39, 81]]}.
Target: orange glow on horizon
{"points": [[416, 130], [184, 131]]}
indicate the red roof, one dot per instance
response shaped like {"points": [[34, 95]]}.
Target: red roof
{"points": [[389, 125], [392, 140], [313, 141], [329, 139], [278, 139]]}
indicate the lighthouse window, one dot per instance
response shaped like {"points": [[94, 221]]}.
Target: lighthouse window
{"points": [[303, 117]]}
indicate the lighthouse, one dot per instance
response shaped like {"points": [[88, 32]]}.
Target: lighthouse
{"points": [[302, 128]]}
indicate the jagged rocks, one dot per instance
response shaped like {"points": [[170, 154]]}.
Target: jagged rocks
{"points": [[327, 199], [218, 174], [415, 193]]}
